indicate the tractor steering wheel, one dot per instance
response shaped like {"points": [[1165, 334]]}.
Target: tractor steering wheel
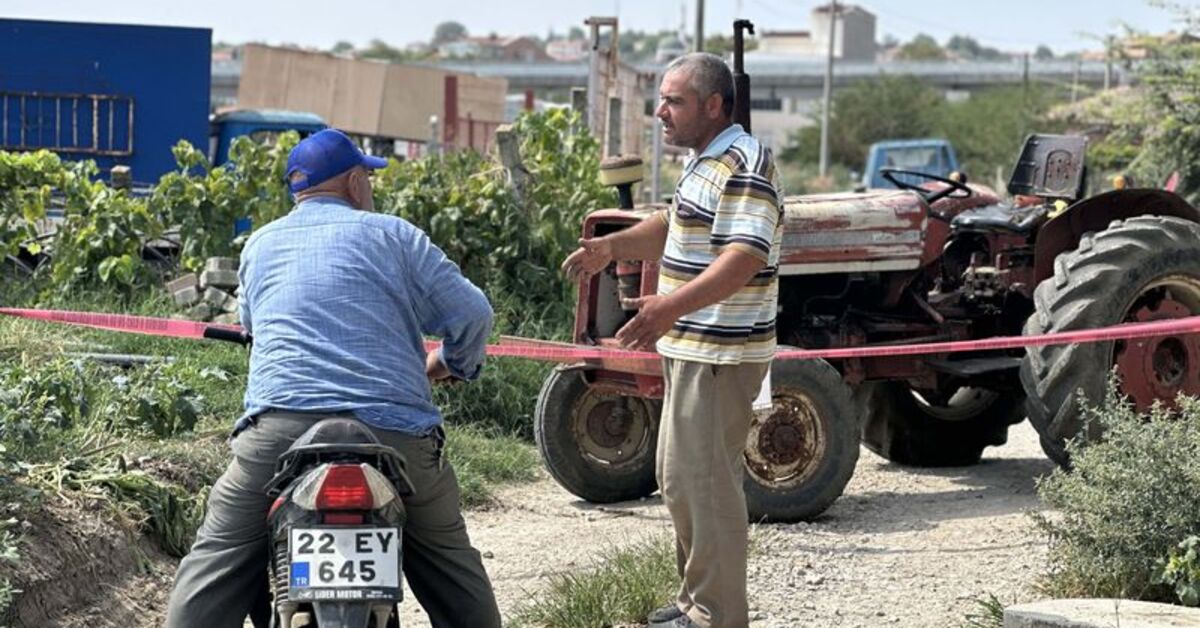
{"points": [[929, 197]]}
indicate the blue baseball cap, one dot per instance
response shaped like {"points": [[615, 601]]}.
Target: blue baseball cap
{"points": [[323, 156]]}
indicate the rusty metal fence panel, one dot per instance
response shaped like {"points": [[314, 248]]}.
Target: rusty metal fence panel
{"points": [[87, 124]]}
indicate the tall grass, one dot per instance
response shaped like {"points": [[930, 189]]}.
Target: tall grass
{"points": [[621, 588]]}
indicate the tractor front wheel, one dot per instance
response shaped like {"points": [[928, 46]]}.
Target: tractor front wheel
{"points": [[599, 445]]}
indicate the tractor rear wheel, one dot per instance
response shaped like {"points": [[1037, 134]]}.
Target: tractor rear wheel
{"points": [[1136, 270], [801, 453], [908, 428], [599, 445]]}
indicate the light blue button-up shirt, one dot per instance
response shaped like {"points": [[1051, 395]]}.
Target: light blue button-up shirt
{"points": [[338, 301]]}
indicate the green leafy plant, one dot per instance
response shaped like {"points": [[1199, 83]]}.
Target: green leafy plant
{"points": [[1181, 570], [1125, 504], [26, 183], [205, 202], [155, 401], [463, 201], [100, 240], [38, 402]]}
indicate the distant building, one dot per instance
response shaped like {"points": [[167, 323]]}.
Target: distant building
{"points": [[798, 43], [1139, 47], [567, 50], [854, 38], [494, 48], [226, 54], [418, 48]]}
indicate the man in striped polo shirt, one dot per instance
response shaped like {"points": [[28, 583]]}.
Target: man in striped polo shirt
{"points": [[713, 321]]}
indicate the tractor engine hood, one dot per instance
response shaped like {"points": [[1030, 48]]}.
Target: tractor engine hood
{"points": [[875, 231]]}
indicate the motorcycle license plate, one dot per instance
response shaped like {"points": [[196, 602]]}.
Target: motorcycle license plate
{"points": [[344, 558]]}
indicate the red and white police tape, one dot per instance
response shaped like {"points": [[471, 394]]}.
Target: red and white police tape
{"points": [[564, 352]]}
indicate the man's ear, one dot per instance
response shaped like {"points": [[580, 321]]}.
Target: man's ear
{"points": [[713, 106], [354, 184]]}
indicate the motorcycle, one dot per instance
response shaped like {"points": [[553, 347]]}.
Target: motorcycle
{"points": [[336, 529]]}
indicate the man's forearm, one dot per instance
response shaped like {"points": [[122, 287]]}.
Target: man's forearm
{"points": [[642, 241], [464, 345], [731, 271]]}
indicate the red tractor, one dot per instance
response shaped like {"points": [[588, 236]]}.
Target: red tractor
{"points": [[935, 260]]}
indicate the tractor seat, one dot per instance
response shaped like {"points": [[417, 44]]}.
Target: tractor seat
{"points": [[1000, 217]]}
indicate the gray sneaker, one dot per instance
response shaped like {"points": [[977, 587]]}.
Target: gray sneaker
{"points": [[664, 617]]}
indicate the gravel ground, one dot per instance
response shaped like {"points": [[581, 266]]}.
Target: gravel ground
{"points": [[903, 547]]}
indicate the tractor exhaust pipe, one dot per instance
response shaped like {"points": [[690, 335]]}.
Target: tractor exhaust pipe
{"points": [[741, 80]]}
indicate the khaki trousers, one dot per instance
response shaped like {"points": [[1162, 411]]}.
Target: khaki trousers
{"points": [[702, 436]]}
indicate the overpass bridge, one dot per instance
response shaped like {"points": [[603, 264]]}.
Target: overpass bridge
{"points": [[786, 92], [782, 73]]}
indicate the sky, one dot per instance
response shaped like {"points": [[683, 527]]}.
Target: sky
{"points": [[1011, 25]]}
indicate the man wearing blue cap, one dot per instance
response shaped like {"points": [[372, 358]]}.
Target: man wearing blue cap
{"points": [[338, 299]]}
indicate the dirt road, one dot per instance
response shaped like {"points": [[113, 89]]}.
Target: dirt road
{"points": [[903, 547]]}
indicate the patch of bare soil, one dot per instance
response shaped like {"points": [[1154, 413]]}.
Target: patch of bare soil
{"points": [[81, 569]]}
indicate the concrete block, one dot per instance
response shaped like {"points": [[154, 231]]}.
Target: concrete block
{"points": [[181, 283], [1100, 614], [224, 279], [221, 263], [216, 299], [121, 177], [201, 311], [186, 296], [227, 319], [231, 306]]}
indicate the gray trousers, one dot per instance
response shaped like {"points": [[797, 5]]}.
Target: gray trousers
{"points": [[217, 582]]}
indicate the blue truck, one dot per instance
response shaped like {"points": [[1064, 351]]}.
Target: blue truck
{"points": [[931, 156], [119, 94]]}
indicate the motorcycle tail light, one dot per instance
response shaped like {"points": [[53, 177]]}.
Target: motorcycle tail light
{"points": [[343, 487]]}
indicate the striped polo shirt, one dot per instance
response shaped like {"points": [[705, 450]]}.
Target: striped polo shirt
{"points": [[727, 198]]}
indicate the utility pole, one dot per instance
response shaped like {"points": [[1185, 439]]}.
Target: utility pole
{"points": [[699, 26], [1025, 71], [827, 97], [1109, 43], [1075, 82]]}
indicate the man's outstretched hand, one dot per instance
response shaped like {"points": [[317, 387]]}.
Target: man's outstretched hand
{"points": [[654, 319], [592, 256]]}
